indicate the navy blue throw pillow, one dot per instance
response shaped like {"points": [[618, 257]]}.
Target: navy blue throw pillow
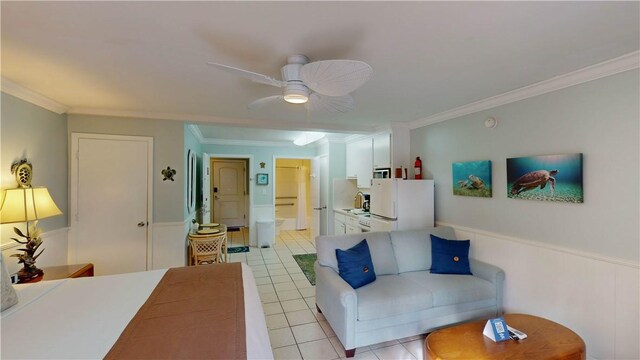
{"points": [[450, 256], [355, 265]]}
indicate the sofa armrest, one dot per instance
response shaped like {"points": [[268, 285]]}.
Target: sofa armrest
{"points": [[491, 273], [338, 302]]}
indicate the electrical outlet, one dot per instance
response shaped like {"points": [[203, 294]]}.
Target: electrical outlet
{"points": [[264, 191]]}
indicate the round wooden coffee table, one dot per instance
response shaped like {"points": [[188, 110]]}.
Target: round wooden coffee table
{"points": [[545, 340]]}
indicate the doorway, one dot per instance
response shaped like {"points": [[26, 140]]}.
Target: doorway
{"points": [[227, 200], [294, 195], [111, 202], [229, 192]]}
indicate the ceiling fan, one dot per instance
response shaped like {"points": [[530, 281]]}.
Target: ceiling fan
{"points": [[320, 85]]}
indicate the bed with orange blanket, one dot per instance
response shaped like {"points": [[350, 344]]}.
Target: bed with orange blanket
{"points": [[198, 312]]}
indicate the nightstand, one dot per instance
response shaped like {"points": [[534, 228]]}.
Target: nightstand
{"points": [[63, 272]]}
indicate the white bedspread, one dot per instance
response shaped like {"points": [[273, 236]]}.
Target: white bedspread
{"points": [[82, 318]]}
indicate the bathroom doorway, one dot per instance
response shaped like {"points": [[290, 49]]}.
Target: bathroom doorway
{"points": [[293, 195]]}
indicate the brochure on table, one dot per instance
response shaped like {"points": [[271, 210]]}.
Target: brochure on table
{"points": [[496, 330]]}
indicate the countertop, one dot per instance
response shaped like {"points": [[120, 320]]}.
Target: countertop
{"points": [[351, 212]]}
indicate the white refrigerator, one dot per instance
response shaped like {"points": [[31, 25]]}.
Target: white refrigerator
{"points": [[398, 204]]}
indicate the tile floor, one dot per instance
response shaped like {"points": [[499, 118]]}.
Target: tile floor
{"points": [[296, 329]]}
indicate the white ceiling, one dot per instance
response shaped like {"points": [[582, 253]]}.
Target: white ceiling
{"points": [[149, 58]]}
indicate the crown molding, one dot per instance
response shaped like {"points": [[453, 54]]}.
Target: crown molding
{"points": [[356, 137], [32, 97], [607, 68], [195, 130], [209, 119]]}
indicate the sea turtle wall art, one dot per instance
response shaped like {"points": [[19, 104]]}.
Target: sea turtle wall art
{"points": [[546, 178], [472, 178]]}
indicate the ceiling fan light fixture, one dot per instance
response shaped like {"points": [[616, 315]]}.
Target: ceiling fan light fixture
{"points": [[296, 94], [295, 98]]}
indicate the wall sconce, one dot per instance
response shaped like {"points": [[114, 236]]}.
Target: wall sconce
{"points": [[25, 204]]}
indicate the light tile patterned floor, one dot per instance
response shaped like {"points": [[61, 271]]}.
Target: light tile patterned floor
{"points": [[296, 329]]}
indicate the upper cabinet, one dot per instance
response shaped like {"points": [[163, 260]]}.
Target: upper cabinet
{"points": [[386, 149], [382, 150], [360, 161]]}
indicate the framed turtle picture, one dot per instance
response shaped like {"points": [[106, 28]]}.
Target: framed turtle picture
{"points": [[546, 178], [472, 178]]}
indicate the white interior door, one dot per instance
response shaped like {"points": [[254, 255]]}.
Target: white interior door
{"points": [[206, 189], [315, 197], [324, 194], [111, 211], [229, 191]]}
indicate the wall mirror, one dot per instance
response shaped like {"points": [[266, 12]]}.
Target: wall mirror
{"points": [[191, 181]]}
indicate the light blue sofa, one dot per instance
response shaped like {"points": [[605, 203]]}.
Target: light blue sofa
{"points": [[406, 299]]}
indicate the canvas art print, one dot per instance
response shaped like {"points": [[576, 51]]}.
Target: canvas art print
{"points": [[546, 178], [472, 178]]}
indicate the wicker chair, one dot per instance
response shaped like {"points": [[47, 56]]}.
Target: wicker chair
{"points": [[206, 249]]}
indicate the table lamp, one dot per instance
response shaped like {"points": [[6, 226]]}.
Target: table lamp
{"points": [[26, 204]]}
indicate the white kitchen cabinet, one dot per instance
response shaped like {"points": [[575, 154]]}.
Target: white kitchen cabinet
{"points": [[352, 230], [352, 226], [339, 227], [360, 161], [382, 150]]}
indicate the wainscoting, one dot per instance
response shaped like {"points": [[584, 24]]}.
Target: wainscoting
{"points": [[595, 296], [170, 244], [54, 243]]}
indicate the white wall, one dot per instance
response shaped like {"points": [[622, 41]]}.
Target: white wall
{"points": [[576, 264], [39, 135], [597, 297]]}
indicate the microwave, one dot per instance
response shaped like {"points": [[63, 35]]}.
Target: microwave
{"points": [[382, 173]]}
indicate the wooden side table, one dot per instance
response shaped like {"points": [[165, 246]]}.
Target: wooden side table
{"points": [[63, 272], [545, 340]]}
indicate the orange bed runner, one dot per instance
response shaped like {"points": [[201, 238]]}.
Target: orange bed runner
{"points": [[193, 313]]}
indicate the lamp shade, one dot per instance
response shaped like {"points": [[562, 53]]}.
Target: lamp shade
{"points": [[27, 204]]}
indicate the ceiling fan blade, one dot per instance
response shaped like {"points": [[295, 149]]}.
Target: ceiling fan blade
{"points": [[334, 104], [255, 77], [335, 77], [266, 101]]}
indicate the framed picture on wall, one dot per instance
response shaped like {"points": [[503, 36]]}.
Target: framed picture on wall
{"points": [[546, 178], [191, 181], [472, 178], [263, 179]]}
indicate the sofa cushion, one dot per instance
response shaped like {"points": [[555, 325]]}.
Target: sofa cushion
{"points": [[452, 289], [413, 248], [391, 295], [355, 265], [384, 261], [450, 256]]}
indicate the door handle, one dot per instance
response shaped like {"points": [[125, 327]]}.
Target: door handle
{"points": [[317, 208], [141, 224]]}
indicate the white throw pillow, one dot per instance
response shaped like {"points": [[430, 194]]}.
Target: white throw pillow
{"points": [[8, 296]]}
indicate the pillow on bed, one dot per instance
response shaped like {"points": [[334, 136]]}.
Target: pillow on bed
{"points": [[355, 265], [8, 296], [450, 256]]}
